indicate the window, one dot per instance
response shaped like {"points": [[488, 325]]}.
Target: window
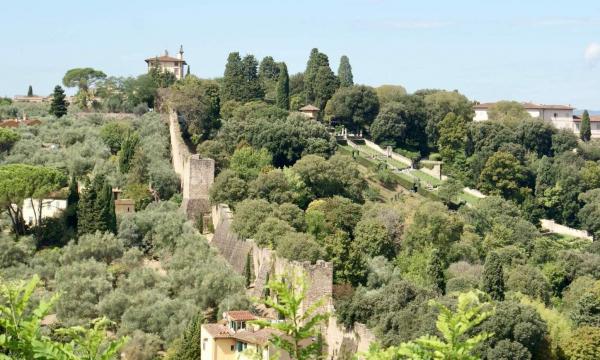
{"points": [[555, 115], [204, 341], [240, 346], [577, 126], [232, 347]]}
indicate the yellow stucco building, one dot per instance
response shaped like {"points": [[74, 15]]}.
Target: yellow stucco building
{"points": [[235, 338]]}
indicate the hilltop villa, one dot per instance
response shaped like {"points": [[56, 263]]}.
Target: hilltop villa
{"points": [[168, 63], [561, 116]]}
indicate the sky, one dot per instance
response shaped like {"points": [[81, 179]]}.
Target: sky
{"points": [[541, 51]]}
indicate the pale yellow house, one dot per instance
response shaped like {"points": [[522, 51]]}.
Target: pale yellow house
{"points": [[235, 338], [175, 65]]}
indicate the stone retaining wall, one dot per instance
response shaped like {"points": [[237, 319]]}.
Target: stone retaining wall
{"points": [[556, 228], [393, 155]]}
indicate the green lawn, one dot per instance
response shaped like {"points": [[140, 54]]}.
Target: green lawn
{"points": [[470, 199], [426, 177]]}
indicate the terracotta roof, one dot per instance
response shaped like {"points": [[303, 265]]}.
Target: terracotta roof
{"points": [[240, 315], [259, 337], [11, 123], [164, 58], [14, 123], [528, 106], [593, 118], [124, 202], [309, 108], [218, 331]]}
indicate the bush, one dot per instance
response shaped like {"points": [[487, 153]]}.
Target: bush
{"points": [[103, 247], [271, 231], [584, 344], [300, 247]]}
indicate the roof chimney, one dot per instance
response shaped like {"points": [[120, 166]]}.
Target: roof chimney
{"points": [[166, 52]]}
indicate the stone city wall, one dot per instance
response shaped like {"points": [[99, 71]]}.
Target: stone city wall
{"points": [[179, 150], [196, 174]]}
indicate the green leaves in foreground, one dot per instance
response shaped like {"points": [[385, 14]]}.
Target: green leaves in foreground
{"points": [[454, 326], [297, 325], [23, 337]]}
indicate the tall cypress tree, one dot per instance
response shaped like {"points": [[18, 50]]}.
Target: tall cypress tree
{"points": [[248, 269], [188, 71], [106, 205], [30, 91], [282, 98], [72, 202], [88, 215], [345, 72], [493, 277], [585, 132], [96, 208], [58, 106], [435, 271]]}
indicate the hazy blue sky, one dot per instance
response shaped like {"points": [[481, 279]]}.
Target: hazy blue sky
{"points": [[541, 51]]}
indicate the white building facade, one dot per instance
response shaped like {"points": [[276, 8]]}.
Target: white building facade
{"points": [[561, 116]]}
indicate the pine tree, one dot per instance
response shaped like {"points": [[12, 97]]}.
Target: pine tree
{"points": [[232, 78], [493, 277], [190, 347], [30, 91], [324, 86], [345, 72], [435, 271], [315, 61], [586, 129], [282, 98], [58, 106], [252, 88], [72, 201]]}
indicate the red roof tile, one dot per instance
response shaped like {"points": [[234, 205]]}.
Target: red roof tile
{"points": [[240, 315], [218, 330], [164, 58], [593, 118]]}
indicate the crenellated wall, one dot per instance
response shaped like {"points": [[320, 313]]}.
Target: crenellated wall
{"points": [[266, 264], [196, 174]]}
